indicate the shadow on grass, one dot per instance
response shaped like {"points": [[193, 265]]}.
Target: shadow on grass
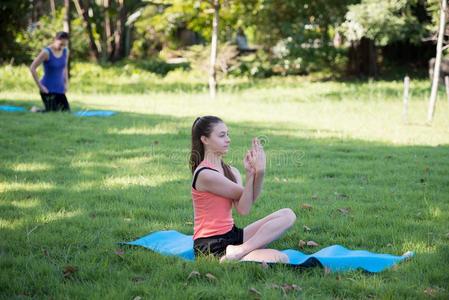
{"points": [[72, 187]]}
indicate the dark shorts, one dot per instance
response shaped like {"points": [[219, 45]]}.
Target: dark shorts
{"points": [[217, 244], [55, 102]]}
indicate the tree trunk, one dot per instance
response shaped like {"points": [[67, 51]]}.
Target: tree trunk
{"points": [[107, 28], [213, 51], [436, 70], [119, 32], [372, 55], [83, 11], [53, 8], [67, 21], [362, 58]]}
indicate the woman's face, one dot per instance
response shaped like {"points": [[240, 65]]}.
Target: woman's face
{"points": [[60, 43], [219, 140]]}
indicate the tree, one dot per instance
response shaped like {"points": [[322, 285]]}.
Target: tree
{"points": [[67, 26], [105, 23], [83, 11], [374, 23], [436, 72], [213, 50], [12, 20]]}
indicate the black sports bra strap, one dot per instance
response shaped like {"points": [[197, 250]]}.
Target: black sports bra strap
{"points": [[197, 172]]}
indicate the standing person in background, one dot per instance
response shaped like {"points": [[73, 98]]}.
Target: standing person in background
{"points": [[55, 82]]}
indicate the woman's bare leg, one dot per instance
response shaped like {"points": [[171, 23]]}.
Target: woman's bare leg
{"points": [[266, 255], [259, 234]]}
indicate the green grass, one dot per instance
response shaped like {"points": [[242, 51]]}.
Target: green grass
{"points": [[70, 188]]}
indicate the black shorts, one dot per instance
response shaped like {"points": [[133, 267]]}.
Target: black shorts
{"points": [[55, 102], [217, 244]]}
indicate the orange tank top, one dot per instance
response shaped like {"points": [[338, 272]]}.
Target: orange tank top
{"points": [[213, 213]]}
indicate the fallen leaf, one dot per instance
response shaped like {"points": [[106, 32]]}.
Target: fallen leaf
{"points": [[120, 252], [69, 271], [312, 244], [327, 271], [306, 228], [137, 279], [274, 286], [291, 287], [301, 244], [264, 265], [340, 195], [306, 206], [344, 210], [210, 276], [253, 290], [432, 292], [45, 252], [314, 196], [389, 245], [137, 298], [189, 223], [193, 274]]}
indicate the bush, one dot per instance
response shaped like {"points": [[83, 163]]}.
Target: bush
{"points": [[42, 33]]}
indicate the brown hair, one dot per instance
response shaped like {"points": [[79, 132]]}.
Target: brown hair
{"points": [[61, 35], [204, 126]]}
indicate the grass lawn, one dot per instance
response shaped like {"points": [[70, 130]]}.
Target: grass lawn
{"points": [[71, 187]]}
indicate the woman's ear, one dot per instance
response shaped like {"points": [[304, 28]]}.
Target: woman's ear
{"points": [[203, 139]]}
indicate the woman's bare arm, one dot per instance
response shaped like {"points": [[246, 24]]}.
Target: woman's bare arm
{"points": [[43, 56], [216, 183]]}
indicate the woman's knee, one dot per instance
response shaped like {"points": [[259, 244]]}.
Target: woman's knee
{"points": [[288, 215]]}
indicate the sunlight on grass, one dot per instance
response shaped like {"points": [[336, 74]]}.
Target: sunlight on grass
{"points": [[84, 186], [55, 216], [26, 203], [435, 212], [418, 247], [29, 187], [24, 167], [124, 182], [10, 224], [158, 129]]}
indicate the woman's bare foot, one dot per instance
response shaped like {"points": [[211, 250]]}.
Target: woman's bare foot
{"points": [[233, 253]]}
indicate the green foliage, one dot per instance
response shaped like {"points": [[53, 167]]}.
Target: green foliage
{"points": [[12, 21], [383, 21], [42, 34]]}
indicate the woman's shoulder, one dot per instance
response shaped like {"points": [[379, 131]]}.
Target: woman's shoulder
{"points": [[204, 165], [46, 50]]}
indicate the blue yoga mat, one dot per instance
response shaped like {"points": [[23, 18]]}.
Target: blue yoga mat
{"points": [[94, 113], [11, 108], [336, 258], [83, 113]]}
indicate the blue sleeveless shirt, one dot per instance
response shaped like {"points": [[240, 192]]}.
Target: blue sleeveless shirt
{"points": [[53, 78]]}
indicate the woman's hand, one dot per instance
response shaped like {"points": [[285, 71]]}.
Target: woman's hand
{"points": [[249, 162], [43, 89], [259, 155]]}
